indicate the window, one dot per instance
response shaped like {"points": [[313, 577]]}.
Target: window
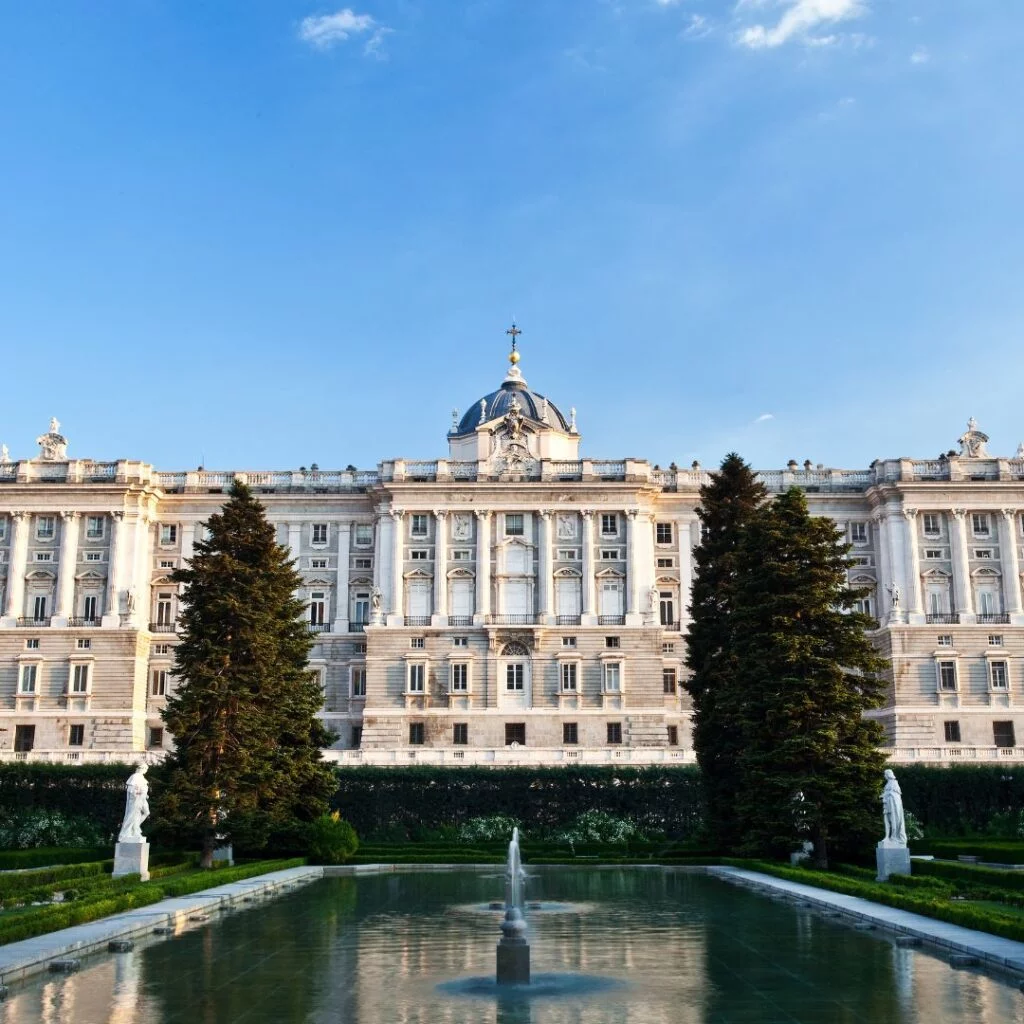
{"points": [[514, 525], [27, 683], [515, 733], [357, 735], [159, 683], [663, 533], [980, 524], [362, 563], [568, 641], [156, 736], [947, 675], [612, 677], [863, 606], [94, 527], [84, 645], [614, 732], [165, 563], [317, 608], [3, 528], [419, 554], [361, 607], [673, 735], [44, 556], [319, 534], [39, 607], [80, 679], [609, 524], [931, 524], [45, 527], [357, 678], [995, 640], [668, 680], [416, 677], [460, 641], [568, 554], [610, 554], [667, 607], [462, 555], [76, 735], [417, 643], [416, 734], [364, 535], [860, 560], [1003, 735], [668, 648], [570, 733], [24, 738], [159, 648], [859, 533], [514, 677], [666, 563], [97, 556], [32, 644], [999, 675], [951, 731], [933, 552], [460, 734], [568, 677], [318, 563], [418, 525], [90, 608], [168, 534], [945, 640], [612, 642], [982, 552], [460, 678], [359, 648]]}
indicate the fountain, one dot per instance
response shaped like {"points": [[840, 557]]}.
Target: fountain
{"points": [[513, 952]]}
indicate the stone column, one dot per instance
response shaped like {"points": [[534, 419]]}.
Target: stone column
{"points": [[295, 542], [440, 616], [546, 588], [913, 595], [396, 617], [589, 596], [66, 568], [341, 606], [632, 568], [1011, 561], [483, 566], [188, 541], [140, 573], [963, 595], [16, 567], [884, 570], [115, 569], [689, 538]]}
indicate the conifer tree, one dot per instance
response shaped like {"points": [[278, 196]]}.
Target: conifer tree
{"points": [[726, 505], [247, 742], [807, 672]]}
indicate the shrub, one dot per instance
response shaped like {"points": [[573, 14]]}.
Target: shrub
{"points": [[490, 828], [598, 827], [25, 827], [914, 828], [332, 840]]}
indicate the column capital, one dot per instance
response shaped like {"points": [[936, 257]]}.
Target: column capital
{"points": [[70, 517], [1010, 513], [632, 513], [440, 513], [545, 513], [959, 513], [587, 513], [910, 513], [396, 513], [879, 515], [20, 514], [483, 514], [118, 515]]}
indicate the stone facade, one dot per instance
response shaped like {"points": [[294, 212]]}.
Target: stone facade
{"points": [[512, 603]]}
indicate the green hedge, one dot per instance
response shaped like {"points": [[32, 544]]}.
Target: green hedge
{"points": [[970, 875], [25, 881], [97, 788], [993, 850], [140, 894], [961, 799], [46, 856]]}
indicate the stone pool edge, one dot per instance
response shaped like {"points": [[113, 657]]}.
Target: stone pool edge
{"points": [[990, 950]]}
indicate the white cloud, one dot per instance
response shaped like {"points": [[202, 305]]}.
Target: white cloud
{"points": [[698, 27], [666, 3], [920, 56], [327, 30], [800, 19], [764, 417]]}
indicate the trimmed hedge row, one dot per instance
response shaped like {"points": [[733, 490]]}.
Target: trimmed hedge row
{"points": [[47, 856], [993, 850], [969, 875], [64, 915], [12, 885]]}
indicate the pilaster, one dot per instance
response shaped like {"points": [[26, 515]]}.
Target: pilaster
{"points": [[483, 566], [589, 616], [914, 600], [1011, 563], [115, 570], [341, 603], [440, 615], [66, 568], [546, 589], [16, 568], [397, 612], [963, 595]]}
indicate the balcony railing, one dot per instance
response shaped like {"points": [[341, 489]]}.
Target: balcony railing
{"points": [[943, 618], [460, 620], [671, 627], [417, 620], [318, 627], [26, 621], [992, 619], [611, 620], [162, 627], [511, 620], [84, 621], [357, 626], [567, 620]]}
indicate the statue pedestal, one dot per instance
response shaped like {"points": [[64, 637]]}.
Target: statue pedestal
{"points": [[131, 859], [892, 859]]}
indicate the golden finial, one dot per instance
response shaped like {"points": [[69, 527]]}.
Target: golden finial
{"points": [[514, 332]]}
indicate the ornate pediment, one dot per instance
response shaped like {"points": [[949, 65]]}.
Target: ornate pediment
{"points": [[568, 572], [501, 638], [418, 574], [611, 571], [461, 574]]}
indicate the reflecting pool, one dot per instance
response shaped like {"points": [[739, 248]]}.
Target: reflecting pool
{"points": [[675, 947]]}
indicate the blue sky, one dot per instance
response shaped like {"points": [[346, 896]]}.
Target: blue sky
{"points": [[269, 233]]}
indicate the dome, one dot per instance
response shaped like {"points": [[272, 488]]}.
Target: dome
{"points": [[531, 404]]}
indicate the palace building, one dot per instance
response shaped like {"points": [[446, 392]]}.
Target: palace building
{"points": [[514, 602]]}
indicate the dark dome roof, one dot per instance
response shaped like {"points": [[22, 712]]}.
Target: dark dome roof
{"points": [[498, 402]]}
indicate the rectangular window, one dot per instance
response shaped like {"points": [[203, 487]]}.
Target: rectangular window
{"points": [[612, 642], [358, 682], [156, 736], [44, 556], [84, 645], [612, 677], [614, 732], [161, 648], [860, 560], [568, 554], [361, 607], [570, 733], [515, 733], [514, 677], [419, 555], [666, 563], [90, 609], [663, 533], [97, 556], [357, 736], [1003, 734], [319, 533], [159, 683], [416, 734], [3, 528], [945, 640], [668, 648], [951, 731], [418, 525], [317, 608], [76, 735], [932, 526], [995, 640], [460, 641], [514, 524], [27, 683], [45, 527], [32, 644], [609, 524], [668, 680], [24, 738], [362, 563], [460, 678], [94, 527], [359, 648], [39, 607], [318, 563], [568, 677], [933, 552], [460, 734], [863, 606], [982, 552], [568, 641], [610, 554], [1000, 675], [461, 555], [416, 677], [168, 534], [667, 607], [947, 675], [417, 643], [363, 535], [859, 533], [673, 735], [80, 679], [980, 524]]}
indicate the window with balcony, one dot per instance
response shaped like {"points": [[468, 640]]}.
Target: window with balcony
{"points": [[417, 734], [668, 680], [46, 527], [514, 524], [614, 732], [999, 676], [80, 679], [39, 603], [569, 671], [361, 607], [417, 677], [317, 608], [76, 735], [94, 527], [947, 676], [570, 734], [164, 610], [667, 607], [418, 525], [460, 734], [90, 607], [460, 677], [319, 534], [1003, 734], [357, 736], [663, 533], [951, 732]]}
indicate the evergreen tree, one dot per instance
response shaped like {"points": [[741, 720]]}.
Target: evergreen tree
{"points": [[726, 505], [247, 742], [808, 758]]}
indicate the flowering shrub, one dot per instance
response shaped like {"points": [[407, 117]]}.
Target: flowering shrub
{"points": [[26, 827], [598, 827], [488, 829]]}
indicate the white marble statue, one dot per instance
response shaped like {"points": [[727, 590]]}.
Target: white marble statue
{"points": [[53, 446], [894, 593], [652, 600], [5, 455], [377, 603], [892, 811], [136, 809], [1020, 450]]}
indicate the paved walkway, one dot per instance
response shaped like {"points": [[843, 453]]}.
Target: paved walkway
{"points": [[20, 959], [955, 939]]}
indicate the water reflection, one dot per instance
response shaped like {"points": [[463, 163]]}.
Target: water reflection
{"points": [[689, 950]]}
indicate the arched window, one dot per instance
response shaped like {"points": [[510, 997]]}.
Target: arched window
{"points": [[515, 649]]}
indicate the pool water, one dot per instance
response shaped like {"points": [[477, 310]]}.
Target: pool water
{"points": [[667, 946]]}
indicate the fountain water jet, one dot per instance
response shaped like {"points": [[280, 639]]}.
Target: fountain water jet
{"points": [[513, 954]]}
